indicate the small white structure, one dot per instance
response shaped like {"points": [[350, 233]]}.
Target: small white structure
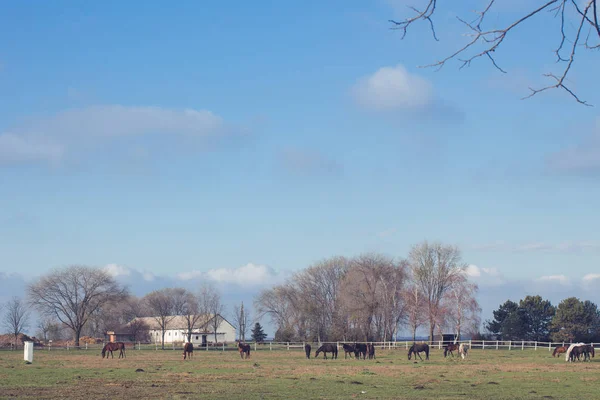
{"points": [[28, 352], [202, 334]]}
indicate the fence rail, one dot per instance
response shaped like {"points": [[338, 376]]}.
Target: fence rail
{"points": [[296, 346]]}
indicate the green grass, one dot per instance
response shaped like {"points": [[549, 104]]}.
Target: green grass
{"points": [[488, 374]]}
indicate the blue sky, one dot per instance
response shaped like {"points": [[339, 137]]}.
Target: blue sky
{"points": [[219, 141]]}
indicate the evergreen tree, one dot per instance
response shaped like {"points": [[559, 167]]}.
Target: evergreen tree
{"points": [[575, 321], [258, 335], [537, 315], [496, 326]]}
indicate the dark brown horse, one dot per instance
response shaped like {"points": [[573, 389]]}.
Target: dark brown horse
{"points": [[449, 348], [188, 350], [371, 351], [110, 347], [244, 349], [327, 348], [559, 350], [360, 349], [348, 349], [589, 351], [418, 348], [307, 349]]}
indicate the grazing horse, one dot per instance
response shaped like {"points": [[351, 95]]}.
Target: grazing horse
{"points": [[449, 348], [307, 349], [348, 349], [572, 347], [559, 350], [188, 350], [110, 347], [463, 350], [418, 348], [589, 350], [360, 348], [371, 351], [327, 348], [244, 349]]}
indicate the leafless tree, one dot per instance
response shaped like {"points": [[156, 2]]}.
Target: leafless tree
{"points": [[242, 319], [435, 268], [210, 302], [280, 303], [187, 305], [461, 307], [160, 303], [73, 294], [16, 317], [44, 326], [579, 29], [416, 311]]}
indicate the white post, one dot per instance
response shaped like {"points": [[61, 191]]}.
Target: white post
{"points": [[288, 346], [223, 345], [28, 352], [535, 345], [254, 346], [549, 346], [483, 345], [270, 346], [86, 345], [509, 344], [522, 345], [470, 344], [496, 344]]}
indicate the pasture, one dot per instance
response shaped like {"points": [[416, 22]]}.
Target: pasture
{"points": [[486, 374]]}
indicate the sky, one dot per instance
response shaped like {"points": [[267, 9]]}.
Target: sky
{"points": [[236, 143]]}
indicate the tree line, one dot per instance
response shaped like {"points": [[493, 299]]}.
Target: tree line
{"points": [[369, 297], [536, 319]]}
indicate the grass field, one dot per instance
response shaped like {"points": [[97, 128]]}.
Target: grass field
{"points": [[487, 374]]}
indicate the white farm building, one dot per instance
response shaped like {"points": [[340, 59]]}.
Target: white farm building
{"points": [[203, 333]]}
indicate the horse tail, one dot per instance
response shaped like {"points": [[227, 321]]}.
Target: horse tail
{"points": [[103, 351]]}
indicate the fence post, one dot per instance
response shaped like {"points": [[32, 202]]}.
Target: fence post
{"points": [[406, 344], [483, 345], [86, 346], [470, 343], [535, 345], [522, 345], [270, 346], [173, 345], [509, 344], [254, 346], [223, 345], [67, 346], [496, 344], [549, 346], [288, 346]]}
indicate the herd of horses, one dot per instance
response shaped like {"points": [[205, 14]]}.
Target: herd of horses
{"points": [[576, 351]]}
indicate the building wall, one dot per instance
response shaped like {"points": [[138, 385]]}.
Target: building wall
{"points": [[225, 334]]}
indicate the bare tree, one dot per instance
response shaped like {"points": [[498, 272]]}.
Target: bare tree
{"points": [[281, 304], [578, 29], [461, 307], [210, 302], [241, 318], [435, 268], [160, 303], [73, 294], [187, 305], [44, 326], [416, 312], [16, 317]]}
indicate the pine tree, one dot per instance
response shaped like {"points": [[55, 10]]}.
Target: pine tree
{"points": [[258, 335]]}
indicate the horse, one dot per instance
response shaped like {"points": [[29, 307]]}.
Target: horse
{"points": [[449, 348], [188, 350], [244, 349], [371, 351], [110, 347], [418, 348], [327, 348], [307, 349], [348, 349], [463, 350], [360, 348], [559, 350], [589, 350], [568, 356]]}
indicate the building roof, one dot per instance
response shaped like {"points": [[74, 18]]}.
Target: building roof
{"points": [[180, 322]]}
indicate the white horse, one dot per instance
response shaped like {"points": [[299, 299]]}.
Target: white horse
{"points": [[571, 347], [463, 350]]}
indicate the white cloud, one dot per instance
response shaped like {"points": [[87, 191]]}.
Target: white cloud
{"points": [[51, 138], [117, 270], [393, 88], [184, 276], [484, 275], [473, 271], [590, 278], [562, 279], [249, 274]]}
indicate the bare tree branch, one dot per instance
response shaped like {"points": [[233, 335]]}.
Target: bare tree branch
{"points": [[493, 38]]}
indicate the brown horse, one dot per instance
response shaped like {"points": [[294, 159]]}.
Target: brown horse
{"points": [[559, 350], [188, 350], [244, 349], [449, 348], [110, 347]]}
